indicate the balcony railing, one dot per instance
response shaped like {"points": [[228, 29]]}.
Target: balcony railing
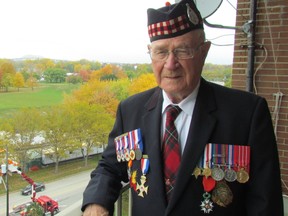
{"points": [[119, 208]]}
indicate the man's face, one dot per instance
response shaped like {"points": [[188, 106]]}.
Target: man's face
{"points": [[179, 77]]}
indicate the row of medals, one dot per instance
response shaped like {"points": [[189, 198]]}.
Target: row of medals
{"points": [[129, 154], [222, 194], [218, 174]]}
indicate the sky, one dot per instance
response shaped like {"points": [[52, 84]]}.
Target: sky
{"points": [[112, 31]]}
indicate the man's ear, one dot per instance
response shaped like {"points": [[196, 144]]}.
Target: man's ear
{"points": [[148, 47], [205, 48]]}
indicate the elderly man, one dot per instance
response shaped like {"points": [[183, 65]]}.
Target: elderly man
{"points": [[188, 147]]}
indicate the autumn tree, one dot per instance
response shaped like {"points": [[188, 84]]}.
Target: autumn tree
{"points": [[142, 83], [85, 75], [97, 92], [109, 72], [90, 125], [32, 82], [23, 127], [57, 133], [18, 81], [7, 72], [120, 88]]}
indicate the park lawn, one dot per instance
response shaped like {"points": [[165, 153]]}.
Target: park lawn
{"points": [[42, 96]]}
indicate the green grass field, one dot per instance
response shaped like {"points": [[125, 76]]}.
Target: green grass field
{"points": [[42, 96]]}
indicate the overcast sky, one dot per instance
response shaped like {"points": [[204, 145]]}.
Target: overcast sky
{"points": [[105, 31]]}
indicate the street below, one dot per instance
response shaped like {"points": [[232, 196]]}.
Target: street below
{"points": [[66, 191]]}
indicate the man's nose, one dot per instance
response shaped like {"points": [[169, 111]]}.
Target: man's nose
{"points": [[171, 62]]}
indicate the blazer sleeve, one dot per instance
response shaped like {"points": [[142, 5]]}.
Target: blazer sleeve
{"points": [[264, 195], [106, 180]]}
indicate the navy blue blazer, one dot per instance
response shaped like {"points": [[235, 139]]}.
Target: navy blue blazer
{"points": [[221, 115]]}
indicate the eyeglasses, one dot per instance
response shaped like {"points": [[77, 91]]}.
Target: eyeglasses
{"points": [[179, 53]]}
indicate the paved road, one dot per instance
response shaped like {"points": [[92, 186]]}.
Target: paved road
{"points": [[66, 191]]}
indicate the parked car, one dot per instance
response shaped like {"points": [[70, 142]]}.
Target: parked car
{"points": [[28, 189]]}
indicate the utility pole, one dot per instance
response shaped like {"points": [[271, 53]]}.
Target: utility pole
{"points": [[7, 184]]}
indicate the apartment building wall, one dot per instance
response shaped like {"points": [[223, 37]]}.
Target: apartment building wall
{"points": [[270, 70]]}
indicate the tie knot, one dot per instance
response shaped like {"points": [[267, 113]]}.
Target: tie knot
{"points": [[172, 112]]}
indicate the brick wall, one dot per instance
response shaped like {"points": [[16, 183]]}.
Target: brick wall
{"points": [[271, 65]]}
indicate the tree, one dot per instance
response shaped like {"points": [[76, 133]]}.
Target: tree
{"points": [[32, 82], [142, 83], [22, 128], [96, 92], [57, 133], [54, 75], [74, 79], [6, 81], [7, 71], [109, 72], [18, 81], [120, 88], [90, 125]]}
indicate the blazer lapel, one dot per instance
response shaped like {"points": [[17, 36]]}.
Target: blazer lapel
{"points": [[200, 129], [152, 130]]}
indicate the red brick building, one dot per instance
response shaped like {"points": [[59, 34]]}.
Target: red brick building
{"points": [[265, 54]]}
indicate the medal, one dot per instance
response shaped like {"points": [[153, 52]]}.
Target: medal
{"points": [[230, 175], [132, 154], [242, 176], [126, 155], [118, 156], [222, 195], [206, 204], [218, 152], [144, 168], [129, 168], [206, 172], [131, 146], [205, 162], [217, 173], [138, 154], [141, 187], [196, 172], [133, 182]]}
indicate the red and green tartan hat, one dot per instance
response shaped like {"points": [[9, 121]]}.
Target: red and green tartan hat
{"points": [[173, 20]]}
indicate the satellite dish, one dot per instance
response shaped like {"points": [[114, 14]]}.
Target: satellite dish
{"points": [[207, 7]]}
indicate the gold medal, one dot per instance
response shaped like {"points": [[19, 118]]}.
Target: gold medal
{"points": [[242, 176], [141, 187], [132, 154], [222, 194], [206, 172], [196, 172]]}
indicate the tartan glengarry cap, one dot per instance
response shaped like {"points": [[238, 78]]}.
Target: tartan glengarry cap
{"points": [[173, 20]]}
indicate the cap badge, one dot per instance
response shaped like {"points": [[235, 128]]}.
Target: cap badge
{"points": [[192, 15]]}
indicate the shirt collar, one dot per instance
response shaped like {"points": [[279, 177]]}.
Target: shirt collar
{"points": [[185, 104]]}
